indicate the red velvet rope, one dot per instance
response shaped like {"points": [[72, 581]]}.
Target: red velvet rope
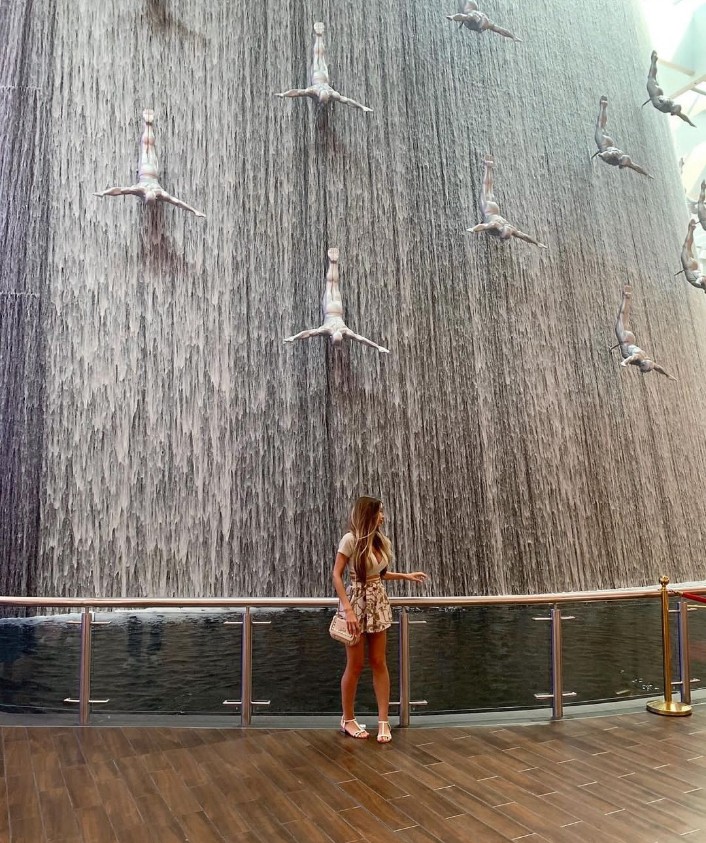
{"points": [[690, 596]]}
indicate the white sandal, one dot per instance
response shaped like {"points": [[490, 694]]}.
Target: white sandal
{"points": [[384, 734], [359, 733]]}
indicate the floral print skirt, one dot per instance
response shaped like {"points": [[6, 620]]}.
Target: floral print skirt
{"points": [[371, 606]]}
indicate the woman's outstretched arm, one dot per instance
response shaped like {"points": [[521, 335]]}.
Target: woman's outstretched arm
{"points": [[415, 576]]}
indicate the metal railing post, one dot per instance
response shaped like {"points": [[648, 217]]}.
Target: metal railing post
{"points": [[84, 682], [557, 656], [684, 660], [246, 702], [404, 668], [667, 707], [557, 666], [84, 668], [246, 670]]}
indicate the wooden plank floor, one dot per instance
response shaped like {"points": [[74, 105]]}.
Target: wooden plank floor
{"points": [[633, 778]]}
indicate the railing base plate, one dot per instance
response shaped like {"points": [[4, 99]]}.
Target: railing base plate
{"points": [[669, 709]]}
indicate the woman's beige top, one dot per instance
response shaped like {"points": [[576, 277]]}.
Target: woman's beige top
{"points": [[373, 566]]}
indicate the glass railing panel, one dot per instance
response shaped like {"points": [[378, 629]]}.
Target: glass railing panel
{"points": [[470, 659], [479, 658], [297, 666], [697, 645], [613, 650], [174, 662], [39, 665]]}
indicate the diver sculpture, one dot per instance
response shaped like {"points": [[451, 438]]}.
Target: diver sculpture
{"points": [[607, 150], [632, 354], [333, 324], [656, 94], [493, 223], [690, 264], [320, 89], [477, 21], [148, 187]]}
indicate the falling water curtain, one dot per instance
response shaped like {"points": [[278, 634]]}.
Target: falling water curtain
{"points": [[186, 450], [26, 28]]}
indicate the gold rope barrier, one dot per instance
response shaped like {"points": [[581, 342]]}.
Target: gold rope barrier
{"points": [[667, 707]]}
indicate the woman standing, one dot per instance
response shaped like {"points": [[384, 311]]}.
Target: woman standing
{"points": [[367, 552]]}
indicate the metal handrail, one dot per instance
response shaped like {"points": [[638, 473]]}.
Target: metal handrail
{"points": [[649, 592]]}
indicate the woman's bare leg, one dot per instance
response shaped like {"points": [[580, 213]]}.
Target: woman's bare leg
{"points": [[355, 657], [377, 657]]}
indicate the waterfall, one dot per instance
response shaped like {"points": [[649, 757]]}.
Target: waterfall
{"points": [[184, 450]]}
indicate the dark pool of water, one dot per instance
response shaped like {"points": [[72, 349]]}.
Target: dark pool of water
{"points": [[461, 660]]}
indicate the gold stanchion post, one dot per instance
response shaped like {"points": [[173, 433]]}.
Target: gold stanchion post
{"points": [[667, 707]]}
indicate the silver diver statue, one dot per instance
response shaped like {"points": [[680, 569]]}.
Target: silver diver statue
{"points": [[493, 223], [632, 354], [656, 94], [690, 264], [607, 150], [320, 89], [333, 324], [148, 187], [477, 21]]}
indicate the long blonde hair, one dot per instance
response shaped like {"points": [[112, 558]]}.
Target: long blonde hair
{"points": [[369, 538]]}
